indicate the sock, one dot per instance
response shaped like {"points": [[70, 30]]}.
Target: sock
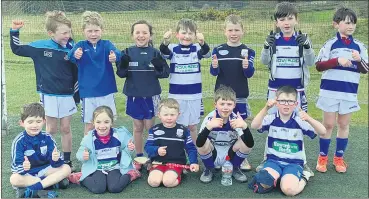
{"points": [[324, 146], [341, 144], [208, 160], [139, 155], [37, 186], [238, 159], [67, 156]]}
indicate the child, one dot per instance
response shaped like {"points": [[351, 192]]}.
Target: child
{"points": [[36, 162], [56, 77], [106, 162], [94, 58], [233, 64], [167, 143], [142, 66], [288, 55], [285, 144], [224, 133], [342, 59], [185, 71]]}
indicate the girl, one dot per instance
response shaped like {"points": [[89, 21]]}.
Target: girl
{"points": [[142, 66], [105, 155]]}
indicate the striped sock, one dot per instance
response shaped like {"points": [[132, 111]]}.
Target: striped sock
{"points": [[208, 160], [238, 159]]}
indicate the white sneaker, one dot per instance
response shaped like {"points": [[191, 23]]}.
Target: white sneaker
{"points": [[245, 165]]}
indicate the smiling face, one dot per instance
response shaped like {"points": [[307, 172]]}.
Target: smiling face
{"points": [[141, 35], [186, 37], [168, 116], [61, 35], [346, 27], [33, 125], [225, 107], [234, 33], [287, 24], [102, 124], [286, 103], [92, 33]]}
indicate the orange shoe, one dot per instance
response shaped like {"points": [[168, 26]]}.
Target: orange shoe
{"points": [[339, 164], [322, 163]]}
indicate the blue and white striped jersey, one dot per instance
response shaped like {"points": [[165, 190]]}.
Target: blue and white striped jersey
{"points": [[341, 82], [285, 140]]}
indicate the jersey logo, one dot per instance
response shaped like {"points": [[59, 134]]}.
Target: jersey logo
{"points": [[159, 132], [133, 64], [48, 54], [43, 150], [179, 133], [29, 152], [143, 53], [223, 52], [66, 57], [244, 52]]}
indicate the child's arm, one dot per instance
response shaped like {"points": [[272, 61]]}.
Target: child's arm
{"points": [[318, 127], [308, 52], [51, 146], [15, 44], [266, 52], [17, 157], [122, 68], [113, 49], [71, 53], [150, 148], [361, 58], [204, 51], [249, 70], [190, 149], [160, 65], [214, 66], [257, 123], [164, 49]]}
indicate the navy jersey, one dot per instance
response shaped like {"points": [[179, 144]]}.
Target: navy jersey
{"points": [[55, 75], [177, 139], [38, 150]]}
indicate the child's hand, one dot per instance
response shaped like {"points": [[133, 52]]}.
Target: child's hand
{"points": [[194, 167], [167, 36], [162, 151], [200, 38], [131, 146], [270, 103], [303, 115], [270, 40], [344, 62], [55, 155], [26, 164], [86, 155], [238, 122], [356, 55], [214, 61], [78, 53], [214, 122], [112, 57], [17, 24], [245, 62]]}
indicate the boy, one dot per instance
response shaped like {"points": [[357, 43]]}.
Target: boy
{"points": [[224, 133], [285, 144], [94, 58], [56, 77], [185, 71], [36, 162], [167, 143], [233, 64], [342, 59], [288, 55]]}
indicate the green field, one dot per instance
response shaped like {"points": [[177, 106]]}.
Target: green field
{"points": [[20, 89]]}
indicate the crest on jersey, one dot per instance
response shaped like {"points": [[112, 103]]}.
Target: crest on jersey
{"points": [[66, 57], [159, 132], [43, 150], [244, 52], [223, 52], [179, 133]]}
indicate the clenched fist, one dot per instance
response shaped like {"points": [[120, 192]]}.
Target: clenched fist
{"points": [[17, 24]]}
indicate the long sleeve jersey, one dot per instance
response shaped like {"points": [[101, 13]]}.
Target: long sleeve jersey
{"points": [[38, 150], [340, 82], [55, 75], [142, 68], [178, 141], [185, 70], [95, 72], [230, 71]]}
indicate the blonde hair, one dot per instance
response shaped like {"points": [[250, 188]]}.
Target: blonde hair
{"points": [[224, 93], [56, 18], [185, 24], [103, 109], [169, 103], [233, 19], [92, 18]]}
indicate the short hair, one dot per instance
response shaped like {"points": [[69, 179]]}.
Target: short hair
{"points": [[103, 109], [224, 93], [342, 13], [169, 103], [287, 90], [32, 110], [56, 18], [285, 9], [185, 24], [92, 18], [233, 19]]}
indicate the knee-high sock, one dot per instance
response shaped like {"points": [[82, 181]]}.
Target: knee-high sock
{"points": [[238, 159], [341, 144], [208, 160], [324, 146]]}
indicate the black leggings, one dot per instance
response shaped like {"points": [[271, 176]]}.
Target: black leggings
{"points": [[115, 182]]}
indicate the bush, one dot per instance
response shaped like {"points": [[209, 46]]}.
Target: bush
{"points": [[211, 14]]}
